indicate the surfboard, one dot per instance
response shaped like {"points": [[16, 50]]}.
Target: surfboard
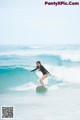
{"points": [[41, 89]]}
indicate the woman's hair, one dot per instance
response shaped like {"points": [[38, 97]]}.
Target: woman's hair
{"points": [[38, 62]]}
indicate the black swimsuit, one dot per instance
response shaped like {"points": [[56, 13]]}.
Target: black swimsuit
{"points": [[42, 69]]}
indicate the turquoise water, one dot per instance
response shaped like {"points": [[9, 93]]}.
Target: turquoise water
{"points": [[18, 84], [63, 62]]}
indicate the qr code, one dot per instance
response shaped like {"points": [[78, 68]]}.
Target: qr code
{"points": [[7, 112]]}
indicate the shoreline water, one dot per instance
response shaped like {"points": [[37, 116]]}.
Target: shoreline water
{"points": [[61, 104]]}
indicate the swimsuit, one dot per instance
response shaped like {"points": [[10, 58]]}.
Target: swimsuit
{"points": [[42, 69]]}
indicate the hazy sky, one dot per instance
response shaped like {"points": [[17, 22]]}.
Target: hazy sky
{"points": [[31, 22]]}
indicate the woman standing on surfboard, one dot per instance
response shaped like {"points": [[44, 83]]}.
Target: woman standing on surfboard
{"points": [[43, 70]]}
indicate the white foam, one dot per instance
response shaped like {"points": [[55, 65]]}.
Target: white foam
{"points": [[64, 54], [53, 87], [69, 74], [27, 86], [71, 55]]}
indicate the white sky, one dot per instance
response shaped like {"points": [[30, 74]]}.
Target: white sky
{"points": [[31, 22]]}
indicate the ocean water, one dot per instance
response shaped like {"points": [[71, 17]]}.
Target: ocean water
{"points": [[18, 84]]}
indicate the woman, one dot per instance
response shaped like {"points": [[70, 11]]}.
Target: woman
{"points": [[43, 70]]}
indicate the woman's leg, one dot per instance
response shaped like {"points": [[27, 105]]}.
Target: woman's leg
{"points": [[43, 77]]}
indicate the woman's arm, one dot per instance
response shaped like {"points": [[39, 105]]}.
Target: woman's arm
{"points": [[34, 69]]}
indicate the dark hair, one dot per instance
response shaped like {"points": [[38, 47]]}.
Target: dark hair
{"points": [[38, 62]]}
